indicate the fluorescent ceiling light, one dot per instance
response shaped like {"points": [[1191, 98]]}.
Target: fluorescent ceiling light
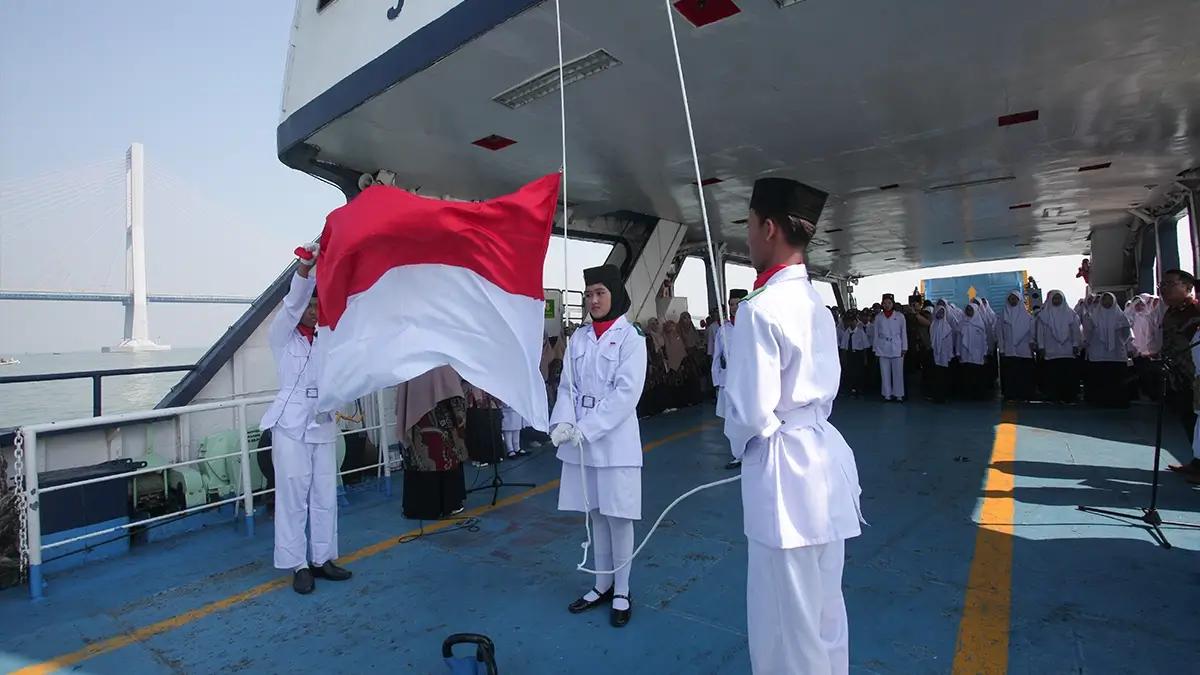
{"points": [[970, 183], [547, 83]]}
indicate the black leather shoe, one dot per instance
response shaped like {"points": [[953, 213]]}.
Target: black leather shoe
{"points": [[619, 617], [303, 582], [734, 464], [582, 605], [332, 572]]}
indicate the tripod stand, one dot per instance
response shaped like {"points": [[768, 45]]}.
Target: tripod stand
{"points": [[1153, 522], [498, 480]]}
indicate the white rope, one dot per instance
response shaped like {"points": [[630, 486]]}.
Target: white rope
{"points": [[582, 566], [569, 370], [687, 113]]}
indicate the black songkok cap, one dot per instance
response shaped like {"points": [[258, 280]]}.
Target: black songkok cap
{"points": [[783, 195], [738, 293], [889, 296]]}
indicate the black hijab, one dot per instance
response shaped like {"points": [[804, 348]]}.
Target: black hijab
{"points": [[610, 277]]}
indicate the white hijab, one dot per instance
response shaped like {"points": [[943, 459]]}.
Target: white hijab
{"points": [[1059, 320], [974, 333], [1145, 322], [941, 334], [1107, 322], [1018, 319]]}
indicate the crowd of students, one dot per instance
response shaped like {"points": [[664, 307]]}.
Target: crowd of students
{"points": [[1050, 353]]}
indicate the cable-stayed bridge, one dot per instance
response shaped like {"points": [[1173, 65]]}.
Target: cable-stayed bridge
{"points": [[74, 198]]}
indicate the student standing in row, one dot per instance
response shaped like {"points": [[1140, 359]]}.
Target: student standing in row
{"points": [[1015, 333], [853, 344], [1058, 334], [890, 339], [972, 351], [1106, 331]]}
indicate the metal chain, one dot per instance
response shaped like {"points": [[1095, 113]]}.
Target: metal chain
{"points": [[22, 501]]}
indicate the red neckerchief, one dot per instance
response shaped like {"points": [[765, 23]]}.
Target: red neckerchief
{"points": [[309, 332], [766, 276], [601, 327], [888, 312]]}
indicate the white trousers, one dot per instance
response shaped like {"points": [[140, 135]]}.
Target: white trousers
{"points": [[305, 495], [612, 545], [796, 613], [892, 373], [512, 441]]}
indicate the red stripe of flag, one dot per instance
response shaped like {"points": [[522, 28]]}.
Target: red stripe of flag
{"points": [[504, 240]]}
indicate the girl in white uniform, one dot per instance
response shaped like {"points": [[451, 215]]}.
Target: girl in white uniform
{"points": [[600, 428]]}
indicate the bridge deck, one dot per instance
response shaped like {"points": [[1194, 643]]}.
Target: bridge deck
{"points": [[1038, 588]]}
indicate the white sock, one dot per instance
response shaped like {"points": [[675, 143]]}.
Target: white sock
{"points": [[602, 556], [305, 566], [622, 547]]}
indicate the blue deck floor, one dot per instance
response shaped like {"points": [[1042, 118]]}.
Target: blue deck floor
{"points": [[1088, 593]]}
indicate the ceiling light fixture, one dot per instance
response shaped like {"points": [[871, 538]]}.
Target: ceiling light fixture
{"points": [[546, 83], [970, 183]]}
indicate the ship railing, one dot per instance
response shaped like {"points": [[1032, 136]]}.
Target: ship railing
{"points": [[97, 378], [27, 447]]}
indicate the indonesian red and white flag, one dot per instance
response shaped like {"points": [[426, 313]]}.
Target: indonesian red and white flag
{"points": [[407, 284]]}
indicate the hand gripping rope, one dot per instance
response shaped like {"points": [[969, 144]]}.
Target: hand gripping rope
{"points": [[582, 566]]}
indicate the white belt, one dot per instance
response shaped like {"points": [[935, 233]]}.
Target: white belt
{"points": [[799, 418]]}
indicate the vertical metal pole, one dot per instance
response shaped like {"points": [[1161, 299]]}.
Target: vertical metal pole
{"points": [[384, 444], [33, 528], [247, 488], [96, 394], [1194, 230], [1158, 270]]}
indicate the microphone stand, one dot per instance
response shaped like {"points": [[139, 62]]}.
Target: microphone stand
{"points": [[497, 481], [1153, 522]]}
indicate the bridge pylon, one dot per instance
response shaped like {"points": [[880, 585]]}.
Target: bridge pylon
{"points": [[137, 324]]}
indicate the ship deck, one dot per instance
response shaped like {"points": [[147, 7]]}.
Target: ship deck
{"points": [[976, 560]]}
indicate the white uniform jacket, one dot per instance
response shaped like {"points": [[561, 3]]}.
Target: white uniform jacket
{"points": [[855, 340], [298, 366], [799, 479], [609, 373], [890, 336]]}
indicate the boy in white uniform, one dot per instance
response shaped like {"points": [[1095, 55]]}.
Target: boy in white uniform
{"points": [[302, 441], [800, 492]]}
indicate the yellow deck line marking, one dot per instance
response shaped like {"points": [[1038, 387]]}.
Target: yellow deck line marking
{"points": [[983, 631], [146, 632]]}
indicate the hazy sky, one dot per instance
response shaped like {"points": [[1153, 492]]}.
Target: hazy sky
{"points": [[198, 83]]}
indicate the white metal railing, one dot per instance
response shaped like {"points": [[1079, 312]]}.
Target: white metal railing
{"points": [[27, 448]]}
